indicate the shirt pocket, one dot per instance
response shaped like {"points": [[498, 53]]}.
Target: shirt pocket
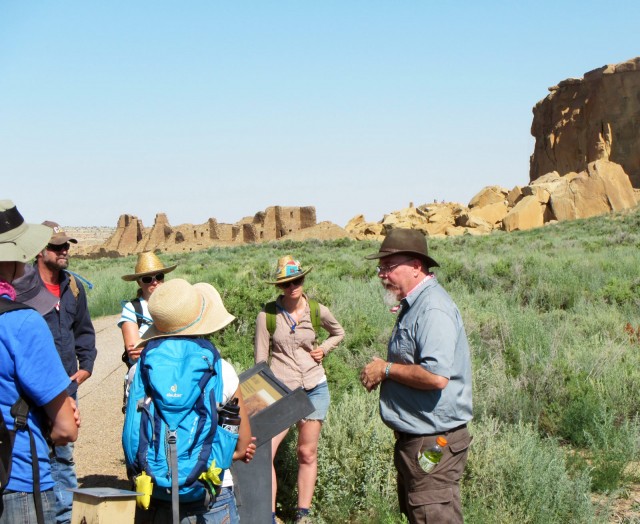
{"points": [[403, 344]]}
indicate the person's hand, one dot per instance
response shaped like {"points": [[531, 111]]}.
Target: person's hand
{"points": [[373, 373], [80, 376], [250, 452], [317, 354], [133, 352]]}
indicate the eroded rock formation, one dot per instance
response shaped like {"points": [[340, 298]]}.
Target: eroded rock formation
{"points": [[601, 188], [593, 118]]}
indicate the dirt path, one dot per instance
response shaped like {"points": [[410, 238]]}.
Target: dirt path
{"points": [[98, 451]]}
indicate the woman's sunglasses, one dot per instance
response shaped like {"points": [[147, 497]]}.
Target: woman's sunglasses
{"points": [[297, 282], [150, 278]]}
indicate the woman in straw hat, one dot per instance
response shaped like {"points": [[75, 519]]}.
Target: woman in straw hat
{"points": [[135, 319], [296, 360], [28, 358], [178, 310]]}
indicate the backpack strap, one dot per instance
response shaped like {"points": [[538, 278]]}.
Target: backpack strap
{"points": [[20, 414], [315, 315], [73, 285], [137, 306], [173, 465], [270, 310]]}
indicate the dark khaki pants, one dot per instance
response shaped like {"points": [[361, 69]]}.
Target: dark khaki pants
{"points": [[431, 498]]}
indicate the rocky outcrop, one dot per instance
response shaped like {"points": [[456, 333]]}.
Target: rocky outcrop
{"points": [[593, 118], [603, 187]]}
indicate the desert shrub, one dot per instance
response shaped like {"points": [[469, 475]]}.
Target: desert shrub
{"points": [[514, 475], [613, 445]]}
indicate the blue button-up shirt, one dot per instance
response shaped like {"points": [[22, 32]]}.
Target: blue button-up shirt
{"points": [[429, 332]]}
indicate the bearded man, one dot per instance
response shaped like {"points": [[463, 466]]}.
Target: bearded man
{"points": [[425, 383], [61, 300]]}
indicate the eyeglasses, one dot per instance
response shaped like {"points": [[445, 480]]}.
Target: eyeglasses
{"points": [[385, 270], [58, 248], [297, 282], [150, 278]]}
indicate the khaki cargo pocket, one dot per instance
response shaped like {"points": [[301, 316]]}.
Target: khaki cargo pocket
{"points": [[434, 504]]}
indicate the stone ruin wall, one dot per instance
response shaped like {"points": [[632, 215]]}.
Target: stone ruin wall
{"points": [[593, 118], [132, 237]]}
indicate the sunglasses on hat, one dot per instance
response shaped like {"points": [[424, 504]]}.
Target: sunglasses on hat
{"points": [[150, 278]]}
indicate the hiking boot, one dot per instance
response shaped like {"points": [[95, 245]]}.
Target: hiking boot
{"points": [[304, 519]]}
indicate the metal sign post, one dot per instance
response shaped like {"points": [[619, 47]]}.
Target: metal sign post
{"points": [[272, 408]]}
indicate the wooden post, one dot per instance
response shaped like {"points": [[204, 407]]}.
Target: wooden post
{"points": [[103, 506]]}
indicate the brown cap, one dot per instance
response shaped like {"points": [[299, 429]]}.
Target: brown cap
{"points": [[59, 237], [405, 241]]}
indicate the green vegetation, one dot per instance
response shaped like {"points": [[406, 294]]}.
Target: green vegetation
{"points": [[556, 368]]}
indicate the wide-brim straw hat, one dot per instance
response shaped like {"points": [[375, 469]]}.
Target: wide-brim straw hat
{"points": [[148, 264], [288, 269], [178, 308], [405, 241], [19, 241]]}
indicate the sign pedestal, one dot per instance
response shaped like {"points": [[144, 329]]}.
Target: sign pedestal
{"points": [[272, 408]]}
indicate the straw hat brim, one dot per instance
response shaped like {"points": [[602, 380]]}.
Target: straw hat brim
{"points": [[23, 243], [136, 276], [292, 277], [213, 317]]}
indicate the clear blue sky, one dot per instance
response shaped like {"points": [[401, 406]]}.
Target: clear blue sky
{"points": [[219, 109]]}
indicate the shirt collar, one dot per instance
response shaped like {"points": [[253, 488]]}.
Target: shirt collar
{"points": [[417, 289]]}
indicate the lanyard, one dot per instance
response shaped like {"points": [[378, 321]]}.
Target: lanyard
{"points": [[286, 314]]}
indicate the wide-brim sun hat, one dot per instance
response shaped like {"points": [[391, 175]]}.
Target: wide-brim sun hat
{"points": [[148, 264], [32, 293], [405, 241], [19, 241], [288, 269], [178, 308]]}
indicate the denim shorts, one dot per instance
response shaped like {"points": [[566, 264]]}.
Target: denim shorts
{"points": [[320, 398]]}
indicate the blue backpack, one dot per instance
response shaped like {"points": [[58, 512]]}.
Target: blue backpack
{"points": [[171, 418]]}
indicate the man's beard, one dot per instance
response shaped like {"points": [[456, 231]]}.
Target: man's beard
{"points": [[390, 297], [57, 264]]}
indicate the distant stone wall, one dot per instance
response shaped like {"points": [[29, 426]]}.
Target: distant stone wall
{"points": [[130, 235], [593, 118]]}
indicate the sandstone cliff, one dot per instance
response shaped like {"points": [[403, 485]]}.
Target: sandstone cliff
{"points": [[593, 118]]}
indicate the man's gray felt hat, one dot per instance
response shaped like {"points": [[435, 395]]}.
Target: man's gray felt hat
{"points": [[19, 241], [405, 241]]}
